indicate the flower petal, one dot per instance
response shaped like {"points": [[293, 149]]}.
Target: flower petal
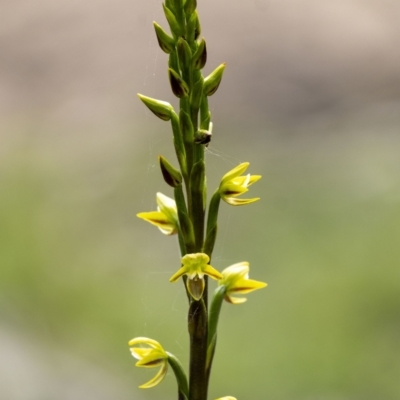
{"points": [[235, 300], [212, 272], [156, 218], [178, 274], [233, 173], [147, 341], [232, 189], [195, 287], [247, 285], [254, 179], [239, 270], [140, 352], [167, 206], [153, 359], [239, 202], [158, 378]]}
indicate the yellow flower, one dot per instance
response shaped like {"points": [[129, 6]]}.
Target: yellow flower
{"points": [[195, 266], [233, 185], [166, 218], [236, 281], [152, 356]]}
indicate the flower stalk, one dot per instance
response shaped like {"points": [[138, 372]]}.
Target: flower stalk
{"points": [[185, 214]]}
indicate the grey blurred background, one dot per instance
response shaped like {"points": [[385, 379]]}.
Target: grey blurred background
{"points": [[311, 97]]}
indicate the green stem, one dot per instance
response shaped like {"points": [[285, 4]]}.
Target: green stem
{"points": [[197, 323], [181, 379], [212, 226], [213, 318]]}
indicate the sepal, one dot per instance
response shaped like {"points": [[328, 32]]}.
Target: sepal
{"points": [[200, 56], [193, 26], [166, 42], [171, 175], [212, 81], [190, 6], [178, 85], [161, 109], [172, 22], [184, 53]]}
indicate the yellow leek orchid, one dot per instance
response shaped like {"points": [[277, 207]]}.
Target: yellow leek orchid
{"points": [[149, 357], [195, 266], [166, 218], [236, 281], [233, 185]]}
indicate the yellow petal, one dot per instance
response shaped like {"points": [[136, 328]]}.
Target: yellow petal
{"points": [[157, 379], [140, 352], [246, 286], [233, 189], [235, 300], [239, 202], [153, 359], [156, 218], [212, 272], [195, 287], [147, 341], [254, 179], [178, 274], [227, 398], [233, 173]]}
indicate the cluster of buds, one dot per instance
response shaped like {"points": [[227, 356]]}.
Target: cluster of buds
{"points": [[184, 215]]}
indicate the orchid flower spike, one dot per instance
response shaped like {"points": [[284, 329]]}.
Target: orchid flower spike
{"points": [[236, 281], [195, 266], [152, 356], [166, 218], [233, 185]]}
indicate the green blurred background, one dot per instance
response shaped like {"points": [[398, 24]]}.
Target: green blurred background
{"points": [[311, 97]]}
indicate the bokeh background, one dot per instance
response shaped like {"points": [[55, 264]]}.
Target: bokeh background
{"points": [[311, 97]]}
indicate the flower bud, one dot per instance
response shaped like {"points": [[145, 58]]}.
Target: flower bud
{"points": [[213, 80], [178, 85], [160, 108], [193, 26], [200, 56], [173, 23], [166, 42], [190, 6], [184, 53], [171, 175], [170, 4]]}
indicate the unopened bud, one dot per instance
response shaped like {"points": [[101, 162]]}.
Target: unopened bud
{"points": [[184, 52], [171, 175], [173, 23], [193, 26], [166, 42], [178, 85], [160, 108], [190, 6], [213, 80], [200, 56]]}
